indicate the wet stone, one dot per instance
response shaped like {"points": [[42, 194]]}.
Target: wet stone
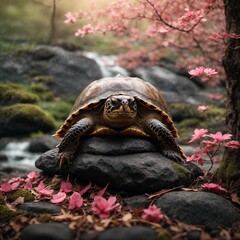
{"points": [[47, 231], [40, 207], [199, 208], [125, 233]]}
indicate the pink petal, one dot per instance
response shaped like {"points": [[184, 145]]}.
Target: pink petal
{"points": [[6, 187], [75, 201], [85, 189], [59, 197], [101, 192], [33, 175], [66, 186]]}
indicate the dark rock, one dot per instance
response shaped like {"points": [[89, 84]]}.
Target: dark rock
{"points": [[125, 233], [43, 144], [194, 235], [22, 119], [3, 158], [139, 201], [47, 231], [134, 173], [174, 88], [40, 207], [70, 70], [199, 208], [116, 145]]}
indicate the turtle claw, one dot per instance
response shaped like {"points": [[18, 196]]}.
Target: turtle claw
{"points": [[173, 156], [65, 157]]}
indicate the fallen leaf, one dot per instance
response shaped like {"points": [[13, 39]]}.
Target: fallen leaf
{"points": [[235, 198], [19, 200], [90, 219], [127, 218], [162, 192], [99, 228]]}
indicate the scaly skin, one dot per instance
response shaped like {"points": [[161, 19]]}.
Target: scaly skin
{"points": [[70, 143]]}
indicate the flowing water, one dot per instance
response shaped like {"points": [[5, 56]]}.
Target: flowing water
{"points": [[18, 155]]}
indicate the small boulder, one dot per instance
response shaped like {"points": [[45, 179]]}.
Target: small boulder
{"points": [[40, 207], [23, 119], [47, 231], [199, 208], [128, 233], [126, 170]]}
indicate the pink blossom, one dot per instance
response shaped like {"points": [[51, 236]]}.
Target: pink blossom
{"points": [[102, 191], [66, 187], [212, 187], [70, 18], [152, 213], [75, 201], [102, 207], [17, 179], [59, 197], [43, 190], [219, 137], [84, 31], [33, 175], [202, 108], [210, 71], [28, 184], [197, 71], [197, 157], [198, 133], [216, 97], [8, 187], [232, 144], [201, 70], [85, 189]]}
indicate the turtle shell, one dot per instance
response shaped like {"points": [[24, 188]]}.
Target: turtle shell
{"points": [[96, 92]]}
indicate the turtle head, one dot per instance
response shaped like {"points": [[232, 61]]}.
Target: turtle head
{"points": [[120, 111]]}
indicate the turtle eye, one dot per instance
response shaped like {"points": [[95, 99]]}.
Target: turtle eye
{"points": [[132, 103], [114, 102]]}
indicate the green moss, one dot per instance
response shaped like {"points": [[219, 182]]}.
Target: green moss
{"points": [[43, 79], [191, 122], [28, 196], [58, 109], [163, 234], [42, 91], [11, 93], [182, 174], [25, 119], [6, 214], [44, 218], [2, 202]]}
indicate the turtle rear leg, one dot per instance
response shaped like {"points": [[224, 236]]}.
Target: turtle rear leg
{"points": [[70, 143], [168, 144]]}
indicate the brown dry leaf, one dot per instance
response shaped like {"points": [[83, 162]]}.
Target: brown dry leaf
{"points": [[19, 200], [90, 219], [106, 222], [73, 225], [190, 189], [127, 218], [235, 198], [16, 226], [66, 216], [162, 192], [99, 228]]}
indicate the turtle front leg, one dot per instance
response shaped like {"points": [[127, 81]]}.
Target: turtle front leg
{"points": [[70, 143], [168, 144]]}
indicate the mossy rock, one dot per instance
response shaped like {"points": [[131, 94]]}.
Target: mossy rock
{"points": [[6, 214], [43, 79], [11, 93], [23, 119], [28, 196]]}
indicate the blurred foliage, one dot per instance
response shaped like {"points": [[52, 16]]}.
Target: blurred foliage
{"points": [[24, 23]]}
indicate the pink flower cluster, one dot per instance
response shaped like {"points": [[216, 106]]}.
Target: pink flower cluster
{"points": [[210, 144], [66, 194], [213, 187], [199, 71], [152, 214]]}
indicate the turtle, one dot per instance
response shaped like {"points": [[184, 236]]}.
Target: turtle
{"points": [[119, 106]]}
